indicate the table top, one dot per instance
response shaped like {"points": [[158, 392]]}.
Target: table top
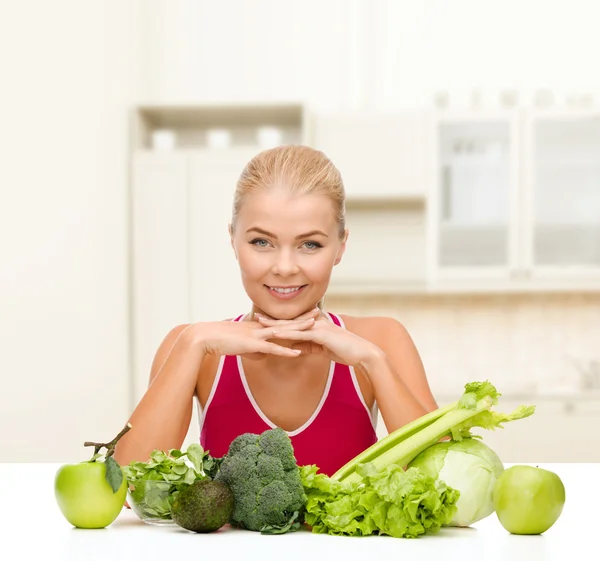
{"points": [[34, 527]]}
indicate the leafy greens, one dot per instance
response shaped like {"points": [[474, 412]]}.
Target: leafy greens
{"points": [[373, 494], [155, 484], [394, 502]]}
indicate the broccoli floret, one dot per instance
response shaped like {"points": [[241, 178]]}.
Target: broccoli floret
{"points": [[242, 442], [269, 499], [240, 474], [277, 443], [294, 485], [269, 469], [262, 473]]}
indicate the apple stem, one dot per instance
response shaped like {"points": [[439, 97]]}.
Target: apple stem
{"points": [[110, 446]]}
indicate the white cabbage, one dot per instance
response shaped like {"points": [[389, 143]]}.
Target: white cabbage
{"points": [[471, 467]]}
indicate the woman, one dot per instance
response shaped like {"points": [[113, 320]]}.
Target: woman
{"points": [[286, 362]]}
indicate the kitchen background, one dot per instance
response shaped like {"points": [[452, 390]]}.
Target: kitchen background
{"points": [[468, 136]]}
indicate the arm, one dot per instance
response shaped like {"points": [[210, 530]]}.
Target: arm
{"points": [[397, 376], [398, 405], [405, 360], [161, 419]]}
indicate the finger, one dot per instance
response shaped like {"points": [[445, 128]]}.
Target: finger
{"points": [[271, 321], [312, 317], [255, 356], [275, 349], [296, 335], [285, 322], [309, 347], [310, 314], [266, 333], [271, 332], [257, 316]]}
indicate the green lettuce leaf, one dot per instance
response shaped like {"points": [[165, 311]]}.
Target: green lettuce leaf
{"points": [[394, 502]]}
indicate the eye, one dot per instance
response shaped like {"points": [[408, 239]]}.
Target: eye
{"points": [[259, 242], [312, 245]]}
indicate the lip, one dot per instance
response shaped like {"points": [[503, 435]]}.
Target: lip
{"points": [[289, 295]]}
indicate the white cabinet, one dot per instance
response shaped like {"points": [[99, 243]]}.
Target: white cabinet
{"points": [[216, 288], [473, 208], [384, 250], [515, 197], [562, 185], [183, 267], [379, 155]]}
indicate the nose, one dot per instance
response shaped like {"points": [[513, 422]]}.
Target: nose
{"points": [[285, 265]]}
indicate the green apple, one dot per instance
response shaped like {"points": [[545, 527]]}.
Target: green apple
{"points": [[528, 500], [85, 497], [91, 494]]}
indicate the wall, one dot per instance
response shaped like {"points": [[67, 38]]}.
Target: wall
{"points": [[521, 343], [359, 54], [69, 74], [71, 69]]}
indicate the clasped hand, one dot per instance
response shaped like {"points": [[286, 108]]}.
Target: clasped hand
{"points": [[310, 333], [321, 337]]}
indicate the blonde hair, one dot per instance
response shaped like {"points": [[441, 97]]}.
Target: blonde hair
{"points": [[300, 169]]}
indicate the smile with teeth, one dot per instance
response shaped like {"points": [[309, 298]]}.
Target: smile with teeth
{"points": [[286, 290]]}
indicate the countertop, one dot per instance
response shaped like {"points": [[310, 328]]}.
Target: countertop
{"points": [[32, 526]]}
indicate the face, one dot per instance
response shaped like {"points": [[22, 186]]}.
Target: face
{"points": [[286, 247]]}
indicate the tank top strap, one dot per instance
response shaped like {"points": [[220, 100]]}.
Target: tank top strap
{"points": [[373, 413], [336, 320]]}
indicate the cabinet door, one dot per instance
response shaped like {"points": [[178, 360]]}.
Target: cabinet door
{"points": [[385, 249], [160, 289], [378, 155], [473, 210], [214, 271], [562, 224]]}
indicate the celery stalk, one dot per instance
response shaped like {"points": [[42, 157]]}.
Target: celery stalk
{"points": [[409, 448], [455, 420], [392, 440]]}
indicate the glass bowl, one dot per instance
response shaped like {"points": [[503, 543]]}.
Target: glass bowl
{"points": [[152, 499]]}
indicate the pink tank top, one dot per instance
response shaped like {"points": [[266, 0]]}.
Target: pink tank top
{"points": [[340, 428]]}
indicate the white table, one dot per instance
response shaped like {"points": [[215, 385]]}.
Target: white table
{"points": [[32, 527]]}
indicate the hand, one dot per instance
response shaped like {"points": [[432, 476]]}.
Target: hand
{"points": [[325, 338], [311, 315], [246, 338]]}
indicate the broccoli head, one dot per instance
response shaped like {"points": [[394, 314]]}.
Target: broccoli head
{"points": [[262, 473]]}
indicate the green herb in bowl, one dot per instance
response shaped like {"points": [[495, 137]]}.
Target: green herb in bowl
{"points": [[155, 484]]}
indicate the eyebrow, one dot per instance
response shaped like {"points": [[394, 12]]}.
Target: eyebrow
{"points": [[307, 235]]}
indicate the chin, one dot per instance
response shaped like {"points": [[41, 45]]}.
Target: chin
{"points": [[285, 310]]}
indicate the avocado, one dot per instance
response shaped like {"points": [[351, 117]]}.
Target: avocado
{"points": [[204, 506]]}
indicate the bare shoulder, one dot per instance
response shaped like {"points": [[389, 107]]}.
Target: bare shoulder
{"points": [[173, 335], [165, 347], [380, 330], [394, 340]]}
